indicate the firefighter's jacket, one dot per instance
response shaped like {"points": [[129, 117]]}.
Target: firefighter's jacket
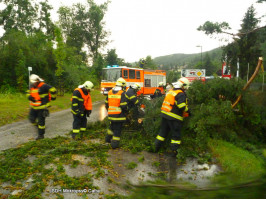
{"points": [[41, 95], [174, 105], [116, 105], [81, 102], [132, 99]]}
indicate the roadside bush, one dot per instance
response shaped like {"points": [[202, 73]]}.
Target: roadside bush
{"points": [[212, 117]]}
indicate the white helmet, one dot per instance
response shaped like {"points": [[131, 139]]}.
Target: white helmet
{"points": [[136, 86], [182, 82], [161, 84], [120, 82], [35, 78], [88, 85]]}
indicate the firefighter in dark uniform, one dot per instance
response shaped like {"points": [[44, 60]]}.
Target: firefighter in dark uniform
{"points": [[81, 108], [131, 95], [116, 105], [173, 111], [40, 95], [159, 92], [133, 104]]}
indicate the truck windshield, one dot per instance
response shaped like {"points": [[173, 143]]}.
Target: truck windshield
{"points": [[111, 74]]}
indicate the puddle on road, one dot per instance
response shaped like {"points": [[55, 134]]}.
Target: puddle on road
{"points": [[152, 166]]}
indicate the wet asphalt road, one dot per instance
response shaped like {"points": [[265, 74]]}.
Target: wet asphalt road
{"points": [[57, 124]]}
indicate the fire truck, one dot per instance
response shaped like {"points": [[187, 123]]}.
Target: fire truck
{"points": [[147, 78]]}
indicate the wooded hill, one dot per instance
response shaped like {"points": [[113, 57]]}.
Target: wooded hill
{"points": [[190, 60]]}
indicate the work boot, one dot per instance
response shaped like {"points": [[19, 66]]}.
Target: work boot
{"points": [[115, 144], [157, 145], [40, 136], [108, 138]]}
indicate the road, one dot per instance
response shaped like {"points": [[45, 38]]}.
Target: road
{"points": [[57, 124]]}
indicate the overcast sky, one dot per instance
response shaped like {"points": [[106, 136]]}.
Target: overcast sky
{"points": [[162, 27]]}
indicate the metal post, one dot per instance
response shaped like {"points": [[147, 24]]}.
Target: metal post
{"points": [[29, 69], [237, 72]]}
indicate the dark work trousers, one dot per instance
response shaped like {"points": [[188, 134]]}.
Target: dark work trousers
{"points": [[36, 118], [79, 123], [116, 127], [175, 127]]}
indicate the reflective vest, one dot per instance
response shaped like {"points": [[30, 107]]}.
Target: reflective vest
{"points": [[34, 92], [114, 102], [87, 99], [169, 102]]}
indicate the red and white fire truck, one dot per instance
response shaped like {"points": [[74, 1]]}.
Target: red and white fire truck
{"points": [[147, 78]]}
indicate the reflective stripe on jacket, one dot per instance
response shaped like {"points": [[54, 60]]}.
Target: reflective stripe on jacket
{"points": [[169, 103], [114, 102], [116, 105]]}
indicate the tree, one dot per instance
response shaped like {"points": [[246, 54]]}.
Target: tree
{"points": [[18, 15], [96, 36], [83, 26], [246, 45], [249, 44], [73, 22], [208, 65], [112, 57], [98, 66], [21, 72], [60, 56], [45, 23], [149, 63]]}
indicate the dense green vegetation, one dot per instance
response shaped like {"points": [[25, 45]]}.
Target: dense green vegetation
{"points": [[52, 49]]}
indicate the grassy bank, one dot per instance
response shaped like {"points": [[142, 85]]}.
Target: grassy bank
{"points": [[15, 107], [239, 163]]}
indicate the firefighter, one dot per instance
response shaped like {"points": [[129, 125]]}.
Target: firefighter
{"points": [[116, 105], [40, 95], [173, 111], [159, 92], [124, 83], [131, 95], [81, 108]]}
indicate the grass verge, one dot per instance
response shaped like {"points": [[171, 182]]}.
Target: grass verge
{"points": [[15, 107], [235, 161]]}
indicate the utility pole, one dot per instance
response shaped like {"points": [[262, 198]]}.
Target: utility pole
{"points": [[200, 54]]}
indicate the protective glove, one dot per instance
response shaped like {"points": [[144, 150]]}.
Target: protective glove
{"points": [[88, 112], [45, 113]]}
